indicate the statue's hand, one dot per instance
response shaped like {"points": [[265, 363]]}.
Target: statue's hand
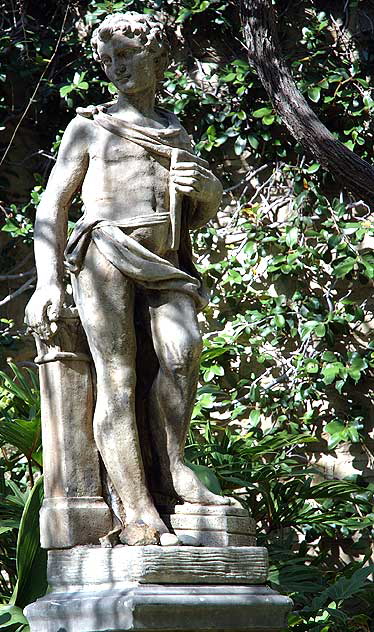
{"points": [[43, 309], [194, 180]]}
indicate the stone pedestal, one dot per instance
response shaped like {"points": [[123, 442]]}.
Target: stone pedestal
{"points": [[184, 589]]}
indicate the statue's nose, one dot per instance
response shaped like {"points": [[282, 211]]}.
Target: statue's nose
{"points": [[119, 66]]}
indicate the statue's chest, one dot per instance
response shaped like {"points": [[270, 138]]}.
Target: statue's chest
{"points": [[114, 150]]}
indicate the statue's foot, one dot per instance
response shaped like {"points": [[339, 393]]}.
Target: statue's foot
{"points": [[190, 489], [148, 515]]}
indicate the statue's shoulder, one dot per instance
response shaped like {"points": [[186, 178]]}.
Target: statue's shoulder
{"points": [[174, 122], [89, 111], [79, 127]]}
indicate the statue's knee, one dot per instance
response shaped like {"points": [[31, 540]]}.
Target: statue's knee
{"points": [[115, 401], [197, 345], [185, 355]]}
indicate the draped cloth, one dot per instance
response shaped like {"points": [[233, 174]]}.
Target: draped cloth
{"points": [[131, 258]]}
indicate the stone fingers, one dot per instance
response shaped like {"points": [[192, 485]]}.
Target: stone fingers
{"points": [[188, 181]]}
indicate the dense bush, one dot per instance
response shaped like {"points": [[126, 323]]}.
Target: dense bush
{"points": [[288, 357]]}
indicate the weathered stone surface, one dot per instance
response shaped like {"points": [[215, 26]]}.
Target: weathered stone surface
{"points": [[211, 510], [110, 540], [139, 534], [188, 540], [68, 522], [212, 525], [166, 608], [135, 302], [217, 538], [168, 539], [87, 566], [73, 510]]}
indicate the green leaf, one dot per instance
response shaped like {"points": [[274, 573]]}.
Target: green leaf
{"points": [[31, 559], [279, 320], [112, 88], [334, 427], [344, 267], [312, 366], [358, 364], [262, 112], [313, 168], [320, 330], [314, 94], [253, 141], [331, 371], [344, 588], [11, 615], [292, 236], [24, 435], [254, 417], [240, 145], [207, 476], [268, 119], [66, 90]]}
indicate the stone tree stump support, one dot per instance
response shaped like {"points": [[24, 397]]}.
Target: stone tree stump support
{"points": [[73, 510]]}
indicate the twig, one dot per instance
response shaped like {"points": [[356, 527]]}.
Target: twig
{"points": [[20, 290], [31, 100], [31, 473], [16, 277], [21, 263], [248, 176]]}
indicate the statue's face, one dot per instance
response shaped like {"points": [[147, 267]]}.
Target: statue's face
{"points": [[127, 64]]}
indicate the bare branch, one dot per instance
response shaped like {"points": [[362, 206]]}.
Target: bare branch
{"points": [[20, 290], [354, 173], [31, 100], [17, 277]]}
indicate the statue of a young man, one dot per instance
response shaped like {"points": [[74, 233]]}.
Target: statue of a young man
{"points": [[142, 188]]}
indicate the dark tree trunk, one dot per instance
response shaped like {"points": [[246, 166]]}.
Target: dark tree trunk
{"points": [[258, 22]]}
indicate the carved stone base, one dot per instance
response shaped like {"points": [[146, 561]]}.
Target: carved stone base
{"points": [[84, 567], [67, 522], [212, 525], [163, 608], [184, 589]]}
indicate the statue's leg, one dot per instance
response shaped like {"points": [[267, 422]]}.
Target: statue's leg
{"points": [[105, 301], [177, 342]]}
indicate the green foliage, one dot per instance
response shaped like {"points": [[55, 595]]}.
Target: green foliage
{"points": [[288, 354], [31, 559], [20, 424], [22, 562]]}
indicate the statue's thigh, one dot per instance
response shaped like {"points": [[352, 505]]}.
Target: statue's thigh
{"points": [[175, 328], [105, 302]]}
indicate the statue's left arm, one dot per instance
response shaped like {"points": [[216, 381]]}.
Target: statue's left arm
{"points": [[194, 179]]}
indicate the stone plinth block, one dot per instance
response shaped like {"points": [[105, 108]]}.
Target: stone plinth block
{"points": [[67, 522], [112, 568], [212, 525], [158, 607]]}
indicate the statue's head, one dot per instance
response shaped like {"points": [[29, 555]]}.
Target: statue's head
{"points": [[129, 45]]}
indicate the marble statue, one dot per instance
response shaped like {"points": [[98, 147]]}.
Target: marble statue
{"points": [[129, 256], [118, 373]]}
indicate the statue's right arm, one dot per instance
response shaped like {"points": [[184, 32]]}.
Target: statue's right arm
{"points": [[51, 227]]}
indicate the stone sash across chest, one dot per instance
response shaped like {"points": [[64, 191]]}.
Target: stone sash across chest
{"points": [[171, 142]]}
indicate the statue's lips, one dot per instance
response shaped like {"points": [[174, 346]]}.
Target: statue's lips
{"points": [[123, 77]]}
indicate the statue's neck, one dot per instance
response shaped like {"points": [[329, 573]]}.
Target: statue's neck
{"points": [[138, 104]]}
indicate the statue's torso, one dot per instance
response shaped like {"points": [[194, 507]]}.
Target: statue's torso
{"points": [[124, 182]]}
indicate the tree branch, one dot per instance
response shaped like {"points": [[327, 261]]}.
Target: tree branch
{"points": [[264, 53], [20, 290]]}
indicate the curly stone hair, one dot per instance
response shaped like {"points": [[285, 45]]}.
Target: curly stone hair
{"points": [[146, 28]]}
